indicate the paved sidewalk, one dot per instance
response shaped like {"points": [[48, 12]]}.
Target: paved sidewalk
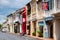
{"points": [[25, 36], [40, 38], [33, 37]]}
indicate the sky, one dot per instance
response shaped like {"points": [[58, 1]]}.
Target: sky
{"points": [[8, 6]]}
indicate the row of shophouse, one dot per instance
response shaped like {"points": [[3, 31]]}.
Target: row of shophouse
{"points": [[15, 21], [40, 18]]}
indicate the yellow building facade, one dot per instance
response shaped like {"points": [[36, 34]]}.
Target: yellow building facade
{"points": [[35, 17]]}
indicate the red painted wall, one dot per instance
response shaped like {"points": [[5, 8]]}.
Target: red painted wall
{"points": [[24, 21]]}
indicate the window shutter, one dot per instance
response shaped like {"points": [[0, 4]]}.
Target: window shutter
{"points": [[50, 4]]}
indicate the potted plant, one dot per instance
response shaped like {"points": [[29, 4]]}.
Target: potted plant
{"points": [[40, 34], [34, 33]]}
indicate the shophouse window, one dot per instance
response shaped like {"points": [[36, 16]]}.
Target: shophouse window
{"points": [[33, 7], [39, 5], [17, 15], [39, 1], [13, 17], [29, 9], [58, 3], [50, 4]]}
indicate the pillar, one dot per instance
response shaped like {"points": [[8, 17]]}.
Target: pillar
{"points": [[37, 28], [13, 28], [20, 28], [32, 28], [56, 26]]}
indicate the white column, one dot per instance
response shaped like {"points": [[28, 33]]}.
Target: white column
{"points": [[37, 28], [20, 28], [55, 5], [56, 29], [13, 28]]}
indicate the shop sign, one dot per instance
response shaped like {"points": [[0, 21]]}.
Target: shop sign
{"points": [[45, 6]]}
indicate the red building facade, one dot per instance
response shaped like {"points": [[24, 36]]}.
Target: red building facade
{"points": [[24, 20]]}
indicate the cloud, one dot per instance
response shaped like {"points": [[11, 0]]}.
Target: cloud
{"points": [[2, 18], [13, 3], [8, 6], [1, 21], [4, 2], [1, 15]]}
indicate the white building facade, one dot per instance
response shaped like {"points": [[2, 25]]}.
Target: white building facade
{"points": [[52, 20]]}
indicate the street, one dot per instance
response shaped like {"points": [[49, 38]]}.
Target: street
{"points": [[8, 36]]}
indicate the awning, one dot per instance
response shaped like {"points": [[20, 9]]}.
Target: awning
{"points": [[41, 23], [48, 18]]}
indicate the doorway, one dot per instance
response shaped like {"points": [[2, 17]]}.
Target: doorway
{"points": [[41, 31], [28, 28], [50, 28], [41, 25], [51, 31], [34, 26], [17, 27]]}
